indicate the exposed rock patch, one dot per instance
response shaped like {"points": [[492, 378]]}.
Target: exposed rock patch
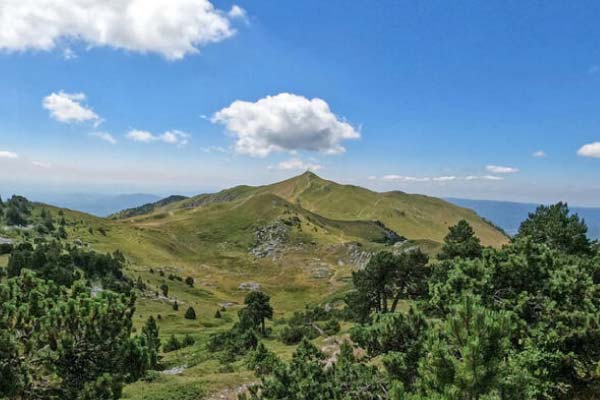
{"points": [[251, 286], [271, 239]]}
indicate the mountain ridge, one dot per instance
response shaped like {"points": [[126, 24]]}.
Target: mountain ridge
{"points": [[414, 216]]}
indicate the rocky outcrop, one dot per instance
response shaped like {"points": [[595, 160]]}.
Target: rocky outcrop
{"points": [[270, 239]]}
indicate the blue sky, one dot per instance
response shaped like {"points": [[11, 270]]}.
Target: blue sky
{"points": [[442, 98]]}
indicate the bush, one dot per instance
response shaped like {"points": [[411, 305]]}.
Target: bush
{"points": [[218, 314], [188, 341], [262, 361], [293, 334], [190, 313], [189, 281], [331, 327], [172, 344]]}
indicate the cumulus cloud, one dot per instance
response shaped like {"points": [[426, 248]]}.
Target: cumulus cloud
{"points": [[285, 122], [297, 164], [444, 178], [590, 150], [498, 169], [107, 137], [69, 107], [8, 154], [539, 154], [172, 28], [170, 137]]}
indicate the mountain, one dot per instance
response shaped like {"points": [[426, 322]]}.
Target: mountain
{"points": [[100, 205], [147, 207], [509, 215], [416, 217]]}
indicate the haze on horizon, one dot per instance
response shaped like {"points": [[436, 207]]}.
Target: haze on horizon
{"points": [[485, 100]]}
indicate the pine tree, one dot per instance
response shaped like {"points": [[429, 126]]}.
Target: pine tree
{"points": [[190, 313]]}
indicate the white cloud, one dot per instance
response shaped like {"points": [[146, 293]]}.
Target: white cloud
{"points": [[41, 164], [497, 169], [68, 107], [170, 137], [372, 178], [401, 178], [238, 12], [8, 154], [484, 178], [539, 154], [444, 178], [172, 28], [590, 150], [437, 179], [285, 122], [107, 137], [297, 164]]}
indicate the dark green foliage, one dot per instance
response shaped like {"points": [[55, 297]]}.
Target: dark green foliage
{"points": [[399, 338], [44, 352], [218, 314], [521, 322], [64, 264], [331, 327], [460, 242], [190, 313], [242, 336], [151, 335], [293, 334], [172, 344], [386, 280], [262, 361], [189, 281], [61, 233], [17, 210], [175, 344], [307, 377], [164, 288], [257, 310], [553, 226], [175, 306], [188, 341]]}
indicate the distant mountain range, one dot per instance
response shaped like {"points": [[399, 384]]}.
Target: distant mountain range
{"points": [[96, 204], [509, 215]]}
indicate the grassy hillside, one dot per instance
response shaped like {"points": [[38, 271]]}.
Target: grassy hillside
{"points": [[416, 217]]}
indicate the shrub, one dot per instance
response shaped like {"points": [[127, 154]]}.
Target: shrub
{"points": [[190, 313], [172, 344]]}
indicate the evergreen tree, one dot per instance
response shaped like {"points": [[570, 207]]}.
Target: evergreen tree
{"points": [[258, 308], [460, 242], [190, 313], [554, 226], [151, 334]]}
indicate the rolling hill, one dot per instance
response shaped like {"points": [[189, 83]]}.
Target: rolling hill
{"points": [[416, 217]]}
